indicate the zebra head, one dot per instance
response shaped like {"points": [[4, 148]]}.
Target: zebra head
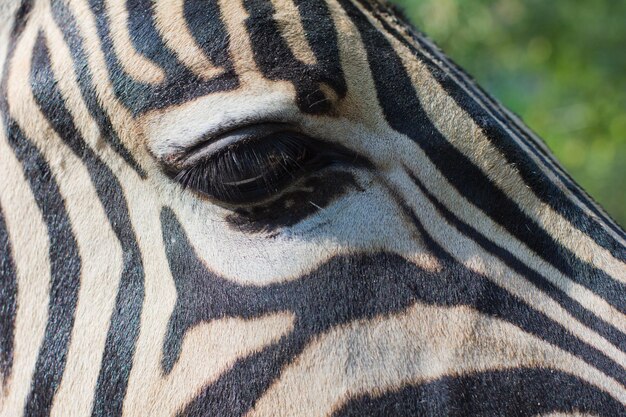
{"points": [[285, 207]]}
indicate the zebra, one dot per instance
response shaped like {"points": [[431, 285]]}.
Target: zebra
{"points": [[285, 208]]}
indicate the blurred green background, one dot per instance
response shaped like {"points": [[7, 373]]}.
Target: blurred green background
{"points": [[559, 64]]}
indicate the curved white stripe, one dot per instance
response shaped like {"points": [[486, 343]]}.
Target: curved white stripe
{"points": [[172, 25], [30, 253], [135, 64], [289, 23], [421, 344], [122, 121], [209, 350], [443, 62]]}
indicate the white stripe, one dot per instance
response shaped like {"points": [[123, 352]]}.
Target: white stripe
{"points": [[419, 345], [171, 24], [133, 63]]}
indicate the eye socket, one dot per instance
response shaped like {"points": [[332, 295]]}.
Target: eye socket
{"points": [[252, 164]]}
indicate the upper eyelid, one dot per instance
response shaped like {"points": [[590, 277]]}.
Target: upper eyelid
{"points": [[167, 132], [224, 137], [240, 129], [171, 153]]}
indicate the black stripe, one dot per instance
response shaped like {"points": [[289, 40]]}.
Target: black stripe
{"points": [[8, 302], [131, 93], [209, 32], [8, 279], [66, 23], [64, 258], [181, 85], [146, 39], [572, 306], [19, 23], [512, 393], [277, 62], [203, 21], [548, 192], [124, 327], [404, 113], [464, 79]]}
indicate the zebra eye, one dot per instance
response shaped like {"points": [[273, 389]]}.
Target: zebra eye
{"points": [[251, 164]]}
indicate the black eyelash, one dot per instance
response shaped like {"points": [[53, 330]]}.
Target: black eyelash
{"points": [[253, 169]]}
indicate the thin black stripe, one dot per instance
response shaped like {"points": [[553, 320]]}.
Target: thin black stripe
{"points": [[8, 279], [572, 306], [555, 197], [124, 326], [147, 40], [8, 302], [209, 32], [404, 113], [65, 266]]}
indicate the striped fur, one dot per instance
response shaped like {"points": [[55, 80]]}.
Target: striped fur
{"points": [[451, 267]]}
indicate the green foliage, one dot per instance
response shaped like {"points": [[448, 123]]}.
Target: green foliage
{"points": [[559, 64]]}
